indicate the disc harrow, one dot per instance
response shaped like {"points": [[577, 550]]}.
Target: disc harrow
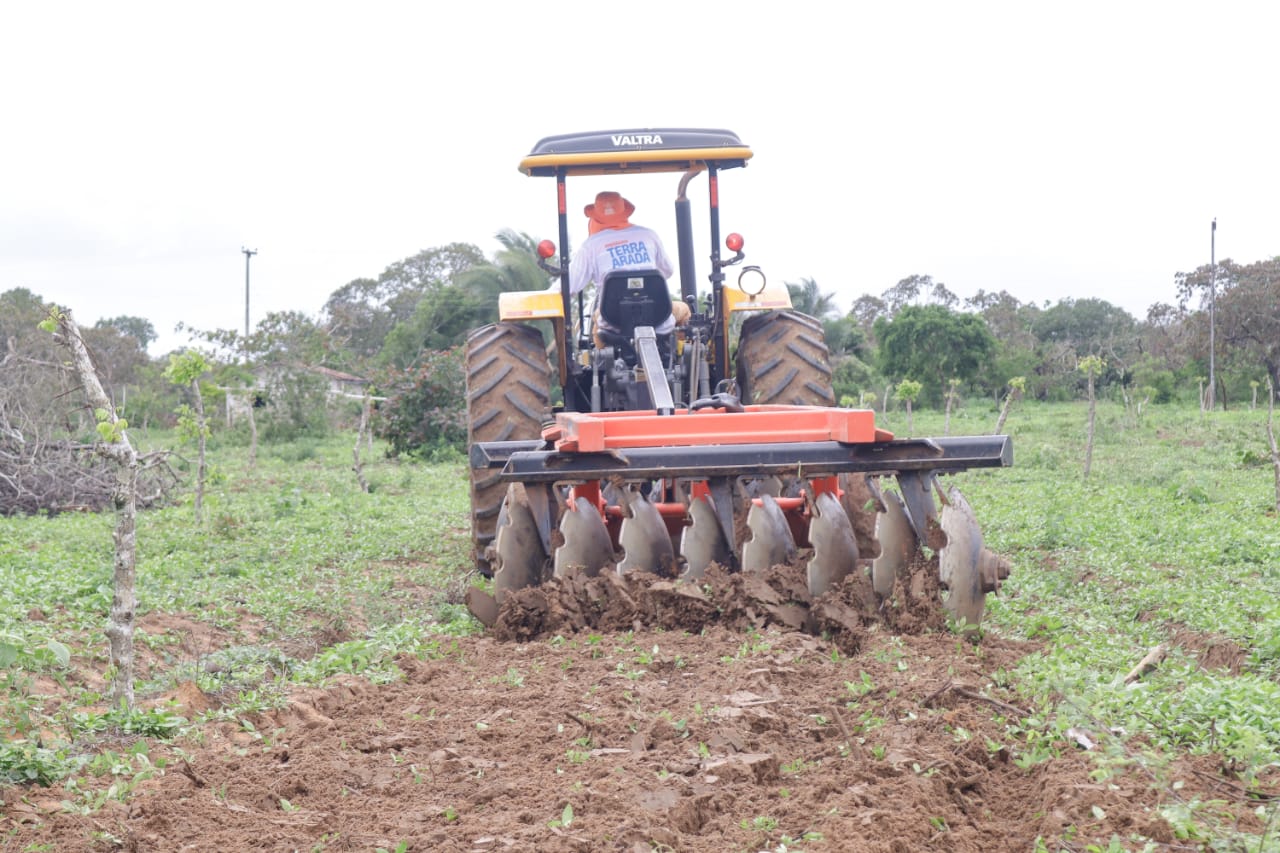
{"points": [[746, 488]]}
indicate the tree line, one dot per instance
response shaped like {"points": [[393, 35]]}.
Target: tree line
{"points": [[398, 337]]}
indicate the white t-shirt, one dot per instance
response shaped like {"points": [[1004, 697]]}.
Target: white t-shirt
{"points": [[631, 248]]}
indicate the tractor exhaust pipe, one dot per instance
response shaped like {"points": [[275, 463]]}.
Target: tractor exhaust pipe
{"points": [[684, 242]]}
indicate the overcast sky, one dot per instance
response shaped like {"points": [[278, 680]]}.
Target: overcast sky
{"points": [[1049, 149]]}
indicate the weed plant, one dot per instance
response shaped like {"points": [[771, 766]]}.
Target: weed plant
{"points": [[1172, 539], [303, 573]]}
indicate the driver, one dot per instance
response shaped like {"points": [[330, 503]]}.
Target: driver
{"points": [[617, 244]]}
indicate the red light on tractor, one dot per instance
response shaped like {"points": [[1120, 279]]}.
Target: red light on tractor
{"points": [[546, 249], [735, 242]]}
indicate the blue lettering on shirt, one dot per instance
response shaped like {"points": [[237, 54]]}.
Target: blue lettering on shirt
{"points": [[630, 255]]}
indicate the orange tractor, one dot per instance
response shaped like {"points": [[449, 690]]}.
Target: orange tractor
{"points": [[715, 442]]}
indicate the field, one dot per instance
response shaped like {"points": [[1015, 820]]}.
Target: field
{"points": [[309, 680]]}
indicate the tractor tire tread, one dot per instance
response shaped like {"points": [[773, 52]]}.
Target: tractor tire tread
{"points": [[508, 393]]}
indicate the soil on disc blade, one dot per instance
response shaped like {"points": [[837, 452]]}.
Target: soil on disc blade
{"points": [[680, 724]]}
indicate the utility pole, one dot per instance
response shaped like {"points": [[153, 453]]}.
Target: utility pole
{"points": [[1213, 282], [249, 253]]}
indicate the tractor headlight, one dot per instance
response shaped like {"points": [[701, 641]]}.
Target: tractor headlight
{"points": [[751, 281]]}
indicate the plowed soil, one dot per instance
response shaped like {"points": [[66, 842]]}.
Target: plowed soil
{"points": [[640, 716]]}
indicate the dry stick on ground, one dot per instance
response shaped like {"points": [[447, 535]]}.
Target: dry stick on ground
{"points": [[1148, 663], [119, 450], [970, 693]]}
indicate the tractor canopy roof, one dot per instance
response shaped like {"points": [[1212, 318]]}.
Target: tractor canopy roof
{"points": [[613, 152]]}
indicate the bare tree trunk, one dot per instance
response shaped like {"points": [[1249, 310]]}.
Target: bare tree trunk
{"points": [[361, 433], [1271, 438], [201, 465], [124, 601], [253, 436], [1004, 410], [1088, 446], [951, 398], [910, 426]]}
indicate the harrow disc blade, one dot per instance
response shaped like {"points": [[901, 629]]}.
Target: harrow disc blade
{"points": [[897, 544], [960, 562], [586, 540], [702, 542], [771, 541], [835, 551], [519, 559], [645, 542]]}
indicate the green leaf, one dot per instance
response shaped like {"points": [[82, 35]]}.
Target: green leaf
{"points": [[60, 652], [566, 817], [8, 654]]}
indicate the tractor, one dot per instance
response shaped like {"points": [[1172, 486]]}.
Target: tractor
{"points": [[717, 442]]}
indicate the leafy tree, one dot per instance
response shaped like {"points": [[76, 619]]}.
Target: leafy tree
{"points": [[1247, 313], [137, 328], [808, 298], [844, 336], [1087, 327], [1074, 328], [933, 342], [1010, 322], [355, 318], [907, 391], [1167, 343], [363, 312], [185, 369], [21, 313], [864, 313], [426, 412], [1091, 366], [918, 290], [118, 357], [907, 292], [288, 337], [446, 314], [442, 320], [850, 375]]}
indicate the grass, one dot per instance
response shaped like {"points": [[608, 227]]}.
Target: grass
{"points": [[291, 555], [1173, 539]]}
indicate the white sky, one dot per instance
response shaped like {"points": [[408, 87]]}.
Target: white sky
{"points": [[1048, 149]]}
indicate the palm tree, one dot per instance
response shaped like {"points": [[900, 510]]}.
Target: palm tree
{"points": [[808, 298]]}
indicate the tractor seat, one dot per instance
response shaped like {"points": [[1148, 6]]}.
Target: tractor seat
{"points": [[631, 298]]}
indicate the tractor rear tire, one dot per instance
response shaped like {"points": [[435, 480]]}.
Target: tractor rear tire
{"points": [[508, 399], [783, 360]]}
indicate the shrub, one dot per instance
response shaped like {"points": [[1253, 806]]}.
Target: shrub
{"points": [[428, 413]]}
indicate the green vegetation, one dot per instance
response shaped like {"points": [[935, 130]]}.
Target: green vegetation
{"points": [[291, 556], [1171, 540]]}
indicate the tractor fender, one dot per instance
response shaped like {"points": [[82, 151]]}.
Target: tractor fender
{"points": [[531, 305]]}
